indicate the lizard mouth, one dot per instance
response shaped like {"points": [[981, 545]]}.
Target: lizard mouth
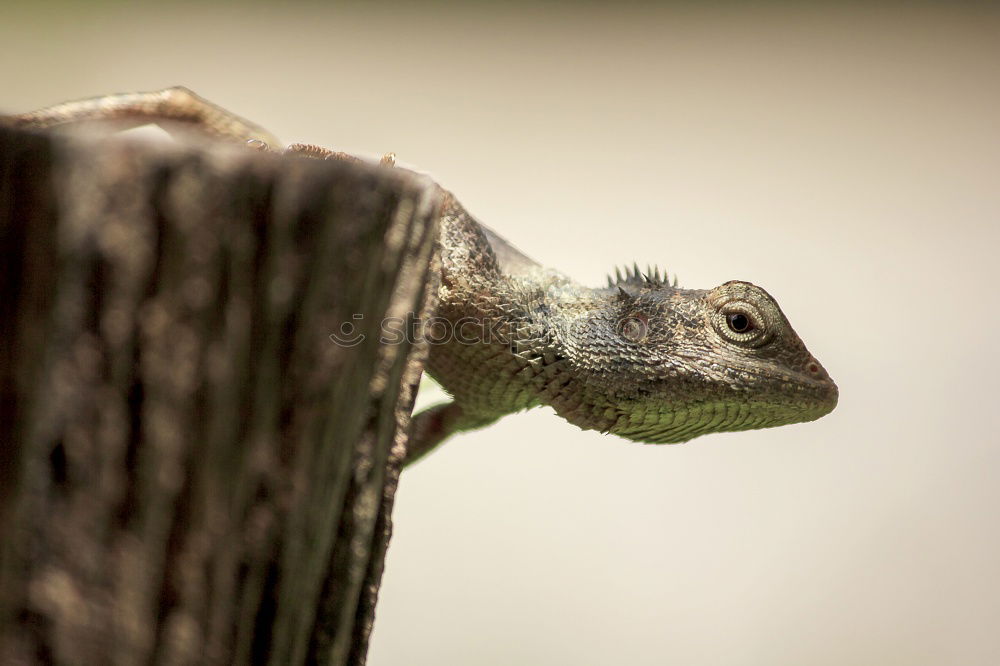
{"points": [[818, 380], [681, 423], [759, 400]]}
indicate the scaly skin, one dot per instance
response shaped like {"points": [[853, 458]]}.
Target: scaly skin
{"points": [[640, 358]]}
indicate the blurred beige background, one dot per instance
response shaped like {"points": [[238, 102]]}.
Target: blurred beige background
{"points": [[846, 159]]}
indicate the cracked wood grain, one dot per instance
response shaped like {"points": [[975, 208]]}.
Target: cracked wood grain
{"points": [[192, 471]]}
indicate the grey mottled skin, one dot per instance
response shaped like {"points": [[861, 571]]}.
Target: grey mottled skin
{"points": [[640, 358]]}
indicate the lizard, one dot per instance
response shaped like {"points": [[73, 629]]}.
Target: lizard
{"points": [[640, 358]]}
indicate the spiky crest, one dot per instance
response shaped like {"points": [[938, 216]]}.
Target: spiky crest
{"points": [[634, 277]]}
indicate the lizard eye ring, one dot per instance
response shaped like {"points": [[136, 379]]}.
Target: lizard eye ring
{"points": [[740, 323]]}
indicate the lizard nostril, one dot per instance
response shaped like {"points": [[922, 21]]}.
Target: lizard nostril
{"points": [[813, 368]]}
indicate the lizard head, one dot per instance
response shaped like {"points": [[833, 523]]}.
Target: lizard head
{"points": [[662, 364]]}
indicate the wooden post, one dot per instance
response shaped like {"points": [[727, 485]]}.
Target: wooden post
{"points": [[192, 469]]}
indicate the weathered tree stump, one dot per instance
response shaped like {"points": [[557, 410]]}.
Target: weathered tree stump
{"points": [[192, 471]]}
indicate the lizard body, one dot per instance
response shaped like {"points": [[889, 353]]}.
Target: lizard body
{"points": [[640, 358]]}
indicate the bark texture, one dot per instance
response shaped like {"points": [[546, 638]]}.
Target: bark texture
{"points": [[192, 471]]}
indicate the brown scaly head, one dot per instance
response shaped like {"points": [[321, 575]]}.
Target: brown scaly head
{"points": [[658, 364]]}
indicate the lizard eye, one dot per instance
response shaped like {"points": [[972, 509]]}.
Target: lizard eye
{"points": [[739, 322], [744, 315]]}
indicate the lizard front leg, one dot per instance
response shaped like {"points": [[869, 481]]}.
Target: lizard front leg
{"points": [[167, 108], [435, 424]]}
